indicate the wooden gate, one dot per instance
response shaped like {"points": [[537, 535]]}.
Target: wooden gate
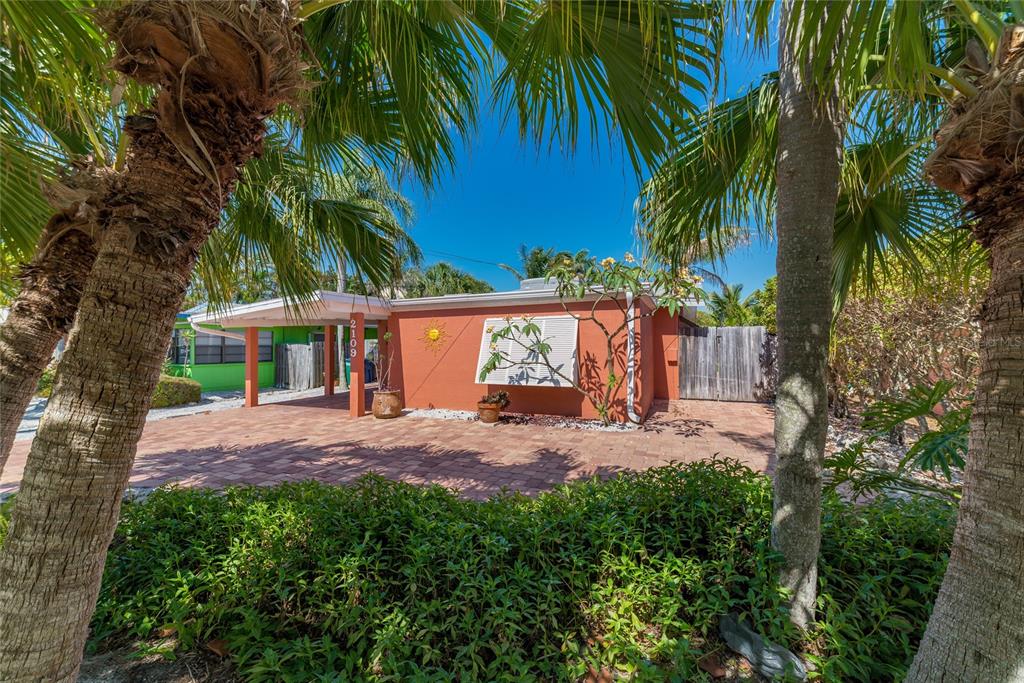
{"points": [[300, 366], [727, 363]]}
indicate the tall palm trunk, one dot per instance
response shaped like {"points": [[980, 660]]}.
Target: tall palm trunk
{"points": [[42, 313], [222, 68], [976, 631], [808, 164]]}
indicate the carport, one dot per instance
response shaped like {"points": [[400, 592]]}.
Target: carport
{"points": [[329, 309]]}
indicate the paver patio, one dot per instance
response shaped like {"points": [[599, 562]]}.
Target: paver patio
{"points": [[316, 439]]}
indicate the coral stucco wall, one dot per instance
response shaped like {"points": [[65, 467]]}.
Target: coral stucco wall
{"points": [[447, 378], [665, 356]]}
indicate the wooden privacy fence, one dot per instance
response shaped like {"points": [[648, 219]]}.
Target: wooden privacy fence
{"points": [[300, 366], [727, 363]]}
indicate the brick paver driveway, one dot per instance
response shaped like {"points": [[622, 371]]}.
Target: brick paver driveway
{"points": [[316, 439]]}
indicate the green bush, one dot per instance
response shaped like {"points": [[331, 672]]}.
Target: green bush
{"points": [[387, 581], [176, 391], [45, 385]]}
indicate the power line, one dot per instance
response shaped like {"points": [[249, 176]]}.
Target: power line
{"points": [[459, 256]]}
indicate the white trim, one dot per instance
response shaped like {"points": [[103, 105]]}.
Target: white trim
{"points": [[631, 364], [489, 299], [330, 308], [323, 308]]}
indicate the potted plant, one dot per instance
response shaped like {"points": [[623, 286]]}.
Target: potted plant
{"points": [[387, 402], [491, 405]]}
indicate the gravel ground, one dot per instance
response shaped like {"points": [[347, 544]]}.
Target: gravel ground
{"points": [[844, 432], [211, 401], [518, 418]]}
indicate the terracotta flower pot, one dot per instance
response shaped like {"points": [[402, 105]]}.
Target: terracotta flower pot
{"points": [[489, 412], [387, 404]]}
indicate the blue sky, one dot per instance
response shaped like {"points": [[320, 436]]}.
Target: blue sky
{"points": [[505, 192]]}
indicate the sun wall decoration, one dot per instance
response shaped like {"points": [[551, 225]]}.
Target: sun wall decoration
{"points": [[434, 335]]}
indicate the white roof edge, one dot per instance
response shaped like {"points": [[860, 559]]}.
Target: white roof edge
{"points": [[326, 305], [518, 296], [322, 305]]}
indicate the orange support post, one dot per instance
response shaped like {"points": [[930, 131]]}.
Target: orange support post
{"points": [[252, 367], [357, 349], [329, 360]]}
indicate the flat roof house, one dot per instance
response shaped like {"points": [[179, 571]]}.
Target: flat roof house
{"points": [[441, 343]]}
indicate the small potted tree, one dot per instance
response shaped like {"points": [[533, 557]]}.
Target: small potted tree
{"points": [[387, 402], [491, 405]]}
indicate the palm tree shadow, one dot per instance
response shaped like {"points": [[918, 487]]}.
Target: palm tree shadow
{"points": [[471, 473]]}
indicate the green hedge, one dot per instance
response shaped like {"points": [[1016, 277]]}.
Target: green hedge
{"points": [[384, 581], [176, 391], [45, 385], [170, 390]]}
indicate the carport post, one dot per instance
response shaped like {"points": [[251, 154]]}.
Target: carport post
{"points": [[357, 349], [329, 359], [252, 367]]}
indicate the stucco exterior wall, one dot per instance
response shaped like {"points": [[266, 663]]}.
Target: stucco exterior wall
{"points": [[665, 356], [445, 378]]}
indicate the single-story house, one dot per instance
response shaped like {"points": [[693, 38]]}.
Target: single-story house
{"points": [[439, 345]]}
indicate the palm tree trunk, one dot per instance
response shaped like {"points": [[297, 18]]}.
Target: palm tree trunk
{"points": [[809, 158], [40, 315], [976, 631], [222, 68]]}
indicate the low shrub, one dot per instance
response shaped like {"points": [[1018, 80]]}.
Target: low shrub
{"points": [[45, 385], [388, 581], [176, 391]]}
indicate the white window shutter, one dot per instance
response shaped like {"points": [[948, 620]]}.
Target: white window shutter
{"points": [[558, 331]]}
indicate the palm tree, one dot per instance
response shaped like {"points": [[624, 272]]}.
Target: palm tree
{"points": [[974, 61], [809, 160], [393, 80], [538, 261], [777, 150], [901, 66], [285, 218], [730, 308]]}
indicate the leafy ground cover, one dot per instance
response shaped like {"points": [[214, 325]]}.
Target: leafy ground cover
{"points": [[387, 581]]}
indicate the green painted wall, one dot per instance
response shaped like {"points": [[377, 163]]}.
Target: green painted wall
{"points": [[231, 376]]}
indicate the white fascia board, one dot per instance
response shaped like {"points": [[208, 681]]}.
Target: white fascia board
{"points": [[323, 308]]}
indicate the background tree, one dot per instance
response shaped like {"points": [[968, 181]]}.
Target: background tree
{"points": [[729, 308], [765, 299], [539, 261], [441, 279], [908, 333]]}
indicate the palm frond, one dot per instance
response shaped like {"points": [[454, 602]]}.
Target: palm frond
{"points": [[400, 78], [56, 104], [292, 219], [638, 69], [719, 182]]}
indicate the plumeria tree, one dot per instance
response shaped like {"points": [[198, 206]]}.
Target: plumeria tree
{"points": [[604, 286]]}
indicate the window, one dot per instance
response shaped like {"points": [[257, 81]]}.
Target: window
{"points": [[212, 349], [177, 352], [526, 369]]}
